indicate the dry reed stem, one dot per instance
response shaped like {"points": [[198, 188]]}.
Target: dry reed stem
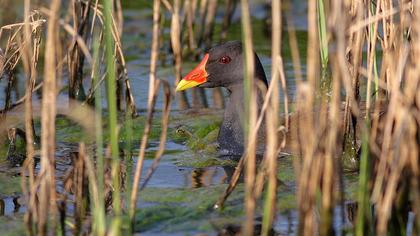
{"points": [[95, 13], [15, 47], [47, 198], [177, 52], [34, 24], [282, 76], [209, 23], [361, 24], [163, 135], [372, 53], [201, 20], [119, 21], [206, 37], [1, 62], [272, 120], [153, 88], [400, 122], [80, 41], [230, 6], [294, 49], [199, 99], [119, 55], [352, 55], [328, 127], [22, 99], [79, 183], [330, 173], [143, 145], [251, 118], [154, 50], [232, 184], [190, 15], [80, 13], [168, 5], [29, 59], [392, 113], [79, 113], [309, 174], [119, 52], [338, 22]]}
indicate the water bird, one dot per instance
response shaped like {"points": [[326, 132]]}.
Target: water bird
{"points": [[223, 66]]}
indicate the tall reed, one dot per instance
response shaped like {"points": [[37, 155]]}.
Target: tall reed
{"points": [[112, 116], [250, 119], [99, 221], [272, 123], [48, 208], [176, 48], [272, 120], [153, 88], [384, 122], [29, 59]]}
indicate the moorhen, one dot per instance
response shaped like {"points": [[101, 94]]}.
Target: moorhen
{"points": [[222, 66]]}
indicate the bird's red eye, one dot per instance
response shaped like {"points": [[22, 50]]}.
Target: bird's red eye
{"points": [[224, 60]]}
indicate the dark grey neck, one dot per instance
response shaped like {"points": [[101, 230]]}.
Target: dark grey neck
{"points": [[231, 134]]}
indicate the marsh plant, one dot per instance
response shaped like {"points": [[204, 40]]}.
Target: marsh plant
{"points": [[360, 92]]}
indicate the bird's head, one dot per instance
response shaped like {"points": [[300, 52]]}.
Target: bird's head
{"points": [[222, 66]]}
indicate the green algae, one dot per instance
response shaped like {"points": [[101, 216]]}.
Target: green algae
{"points": [[3, 151], [189, 210], [9, 185], [351, 183], [202, 161], [286, 200], [286, 171], [69, 131], [12, 225], [137, 129], [198, 133], [139, 4]]}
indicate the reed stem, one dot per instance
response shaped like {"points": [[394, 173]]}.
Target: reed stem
{"points": [[250, 119], [272, 120], [112, 115], [99, 215], [48, 196]]}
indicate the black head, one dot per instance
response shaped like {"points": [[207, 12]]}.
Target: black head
{"points": [[222, 66]]}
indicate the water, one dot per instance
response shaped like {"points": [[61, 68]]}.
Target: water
{"points": [[179, 197], [137, 36], [170, 175]]}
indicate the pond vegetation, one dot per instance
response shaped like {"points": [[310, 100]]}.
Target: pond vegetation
{"points": [[95, 140]]}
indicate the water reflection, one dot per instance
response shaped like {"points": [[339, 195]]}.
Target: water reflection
{"points": [[169, 175], [203, 177], [11, 205]]}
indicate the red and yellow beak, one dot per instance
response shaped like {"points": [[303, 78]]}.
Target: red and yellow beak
{"points": [[196, 77]]}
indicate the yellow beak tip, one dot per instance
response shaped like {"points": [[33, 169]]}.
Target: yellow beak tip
{"points": [[178, 89], [184, 84]]}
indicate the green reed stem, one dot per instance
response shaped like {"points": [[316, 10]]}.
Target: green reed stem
{"points": [[323, 47], [363, 219], [322, 33], [128, 153], [99, 212], [375, 66], [112, 115]]}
